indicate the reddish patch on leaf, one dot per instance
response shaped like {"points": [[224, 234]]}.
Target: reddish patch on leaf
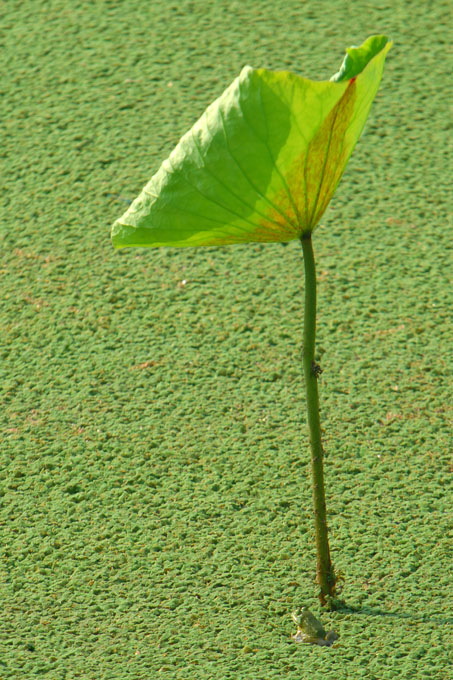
{"points": [[267, 232], [315, 174]]}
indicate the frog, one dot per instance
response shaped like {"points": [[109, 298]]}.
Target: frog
{"points": [[310, 630]]}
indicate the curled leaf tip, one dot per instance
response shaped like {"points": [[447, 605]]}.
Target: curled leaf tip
{"points": [[357, 58]]}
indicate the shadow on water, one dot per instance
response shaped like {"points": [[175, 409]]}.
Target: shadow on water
{"points": [[371, 611]]}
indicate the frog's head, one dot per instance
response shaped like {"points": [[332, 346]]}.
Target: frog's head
{"points": [[295, 615]]}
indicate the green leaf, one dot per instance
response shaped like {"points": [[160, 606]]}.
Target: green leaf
{"points": [[262, 162]]}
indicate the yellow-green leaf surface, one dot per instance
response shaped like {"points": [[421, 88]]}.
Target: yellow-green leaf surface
{"points": [[262, 162]]}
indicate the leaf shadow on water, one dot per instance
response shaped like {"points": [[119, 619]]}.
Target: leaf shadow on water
{"points": [[371, 611]]}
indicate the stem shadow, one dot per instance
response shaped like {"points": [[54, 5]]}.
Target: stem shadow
{"points": [[371, 611]]}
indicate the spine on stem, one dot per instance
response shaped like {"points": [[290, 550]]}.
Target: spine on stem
{"points": [[324, 573]]}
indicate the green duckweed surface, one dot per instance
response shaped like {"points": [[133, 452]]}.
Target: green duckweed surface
{"points": [[155, 500]]}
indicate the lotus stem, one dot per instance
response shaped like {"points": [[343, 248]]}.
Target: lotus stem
{"points": [[325, 575]]}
